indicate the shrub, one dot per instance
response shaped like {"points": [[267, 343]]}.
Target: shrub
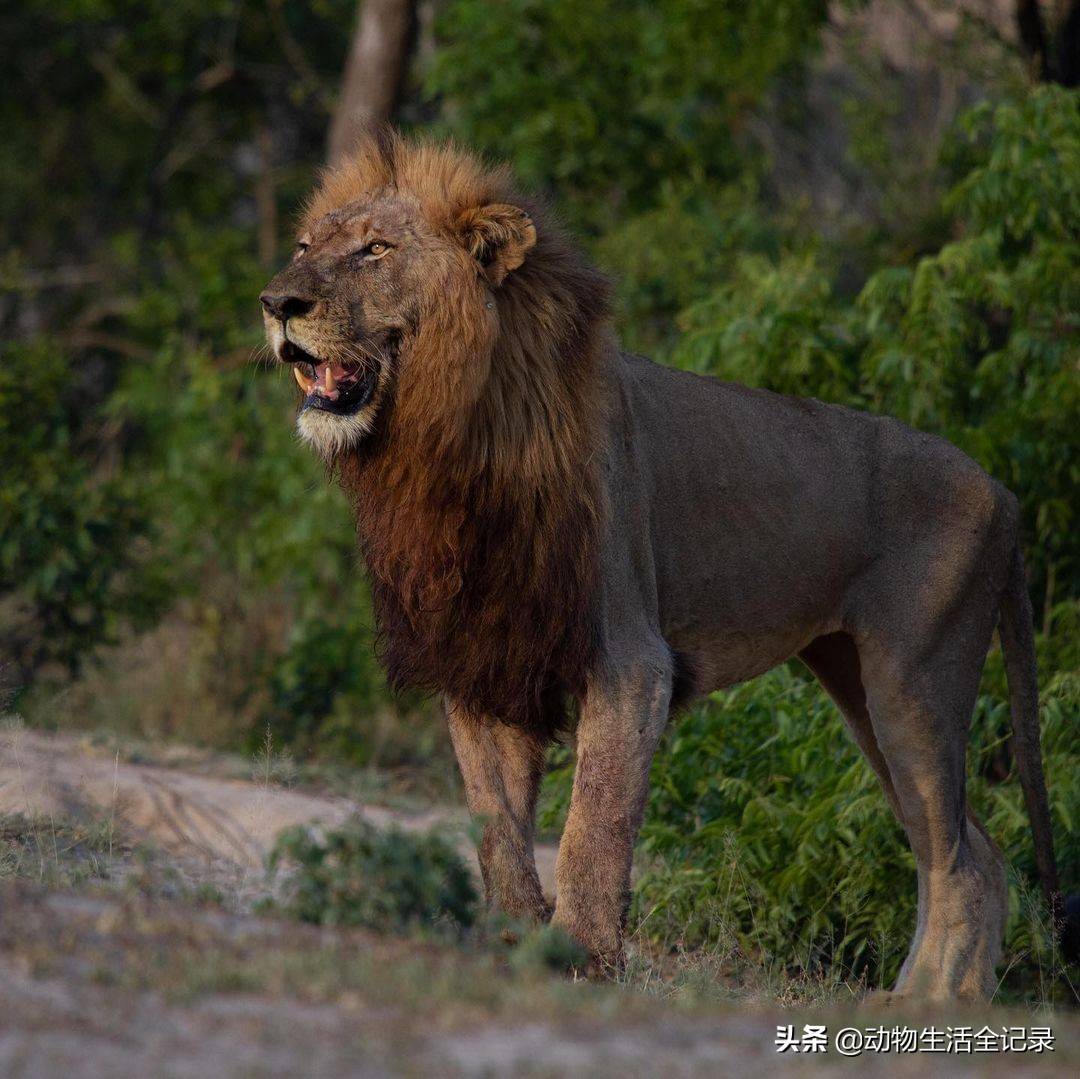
{"points": [[546, 948], [384, 880], [69, 539], [659, 88]]}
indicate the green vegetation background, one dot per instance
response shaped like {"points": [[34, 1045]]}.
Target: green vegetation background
{"points": [[173, 564]]}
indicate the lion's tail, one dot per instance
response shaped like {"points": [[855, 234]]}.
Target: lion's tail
{"points": [[1018, 645]]}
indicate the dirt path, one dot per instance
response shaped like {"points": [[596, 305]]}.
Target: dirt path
{"points": [[226, 825]]}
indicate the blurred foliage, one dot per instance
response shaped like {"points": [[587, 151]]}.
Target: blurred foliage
{"points": [[69, 552], [613, 101], [126, 116], [384, 880], [152, 155], [544, 947]]}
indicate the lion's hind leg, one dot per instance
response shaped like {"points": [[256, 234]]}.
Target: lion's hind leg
{"points": [[920, 705], [834, 660]]}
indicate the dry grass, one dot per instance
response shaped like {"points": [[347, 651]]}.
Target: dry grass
{"points": [[59, 852], [176, 682], [91, 855]]}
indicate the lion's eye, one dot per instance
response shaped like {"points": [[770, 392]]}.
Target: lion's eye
{"points": [[369, 252], [301, 247]]}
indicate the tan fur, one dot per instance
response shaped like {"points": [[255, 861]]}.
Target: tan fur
{"points": [[545, 518]]}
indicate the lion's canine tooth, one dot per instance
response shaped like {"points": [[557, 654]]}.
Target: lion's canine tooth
{"points": [[301, 381]]}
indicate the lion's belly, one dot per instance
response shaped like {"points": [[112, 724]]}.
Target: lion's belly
{"points": [[734, 628], [724, 658]]}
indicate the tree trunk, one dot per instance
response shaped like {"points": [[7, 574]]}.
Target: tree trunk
{"points": [[1067, 57], [1051, 57], [374, 72], [1029, 24]]}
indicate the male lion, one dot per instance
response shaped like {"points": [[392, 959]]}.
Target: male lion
{"points": [[546, 518]]}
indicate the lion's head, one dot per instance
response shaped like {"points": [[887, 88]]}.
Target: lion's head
{"points": [[401, 238]]}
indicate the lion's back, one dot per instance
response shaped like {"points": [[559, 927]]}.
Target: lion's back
{"points": [[764, 510]]}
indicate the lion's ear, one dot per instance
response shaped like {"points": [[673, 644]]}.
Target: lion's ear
{"points": [[498, 236]]}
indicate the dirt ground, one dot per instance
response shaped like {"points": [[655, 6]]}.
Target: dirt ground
{"points": [[226, 824], [140, 972]]}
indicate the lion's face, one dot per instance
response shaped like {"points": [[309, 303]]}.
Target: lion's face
{"points": [[339, 311], [355, 294]]}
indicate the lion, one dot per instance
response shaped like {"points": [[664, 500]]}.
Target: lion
{"points": [[552, 526]]}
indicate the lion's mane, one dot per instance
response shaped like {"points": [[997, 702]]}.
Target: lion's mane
{"points": [[477, 499]]}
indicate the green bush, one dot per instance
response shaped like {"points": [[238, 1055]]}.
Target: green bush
{"points": [[324, 662], [72, 563], [386, 880], [546, 948], [614, 102]]}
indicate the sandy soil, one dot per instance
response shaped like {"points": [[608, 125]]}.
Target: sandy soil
{"points": [[225, 825]]}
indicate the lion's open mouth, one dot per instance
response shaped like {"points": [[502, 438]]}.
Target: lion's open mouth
{"points": [[340, 388]]}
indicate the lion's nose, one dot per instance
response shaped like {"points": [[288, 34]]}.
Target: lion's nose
{"points": [[284, 306]]}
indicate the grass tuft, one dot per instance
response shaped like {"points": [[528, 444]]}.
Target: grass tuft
{"points": [[56, 851]]}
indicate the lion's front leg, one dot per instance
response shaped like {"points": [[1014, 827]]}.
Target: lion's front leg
{"points": [[502, 767], [622, 716]]}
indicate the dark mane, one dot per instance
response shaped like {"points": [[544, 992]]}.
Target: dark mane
{"points": [[476, 500]]}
